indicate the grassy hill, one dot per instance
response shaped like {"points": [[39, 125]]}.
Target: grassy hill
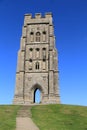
{"points": [[8, 117], [60, 117], [47, 117]]}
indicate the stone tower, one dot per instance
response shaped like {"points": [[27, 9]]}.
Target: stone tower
{"points": [[37, 66]]}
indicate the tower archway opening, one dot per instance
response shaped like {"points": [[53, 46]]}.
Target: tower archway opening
{"points": [[37, 95]]}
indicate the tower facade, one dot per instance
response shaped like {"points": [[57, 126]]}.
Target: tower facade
{"points": [[37, 66]]}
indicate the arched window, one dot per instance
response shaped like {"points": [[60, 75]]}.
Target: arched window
{"points": [[44, 36], [38, 37], [31, 33], [37, 66], [44, 32], [30, 60], [37, 49], [31, 49], [37, 53], [30, 64], [44, 54], [31, 36], [44, 59], [44, 49]]}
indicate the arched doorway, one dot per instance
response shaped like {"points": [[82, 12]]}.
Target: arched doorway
{"points": [[37, 95]]}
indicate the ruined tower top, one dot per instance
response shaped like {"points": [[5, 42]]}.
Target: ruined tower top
{"points": [[47, 18]]}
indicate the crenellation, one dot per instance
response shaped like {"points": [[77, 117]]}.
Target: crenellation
{"points": [[38, 15], [27, 18], [48, 15], [28, 15]]}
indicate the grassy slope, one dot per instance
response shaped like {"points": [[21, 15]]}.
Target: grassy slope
{"points": [[47, 117], [60, 117], [8, 117]]}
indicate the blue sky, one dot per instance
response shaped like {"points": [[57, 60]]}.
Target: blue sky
{"points": [[70, 23]]}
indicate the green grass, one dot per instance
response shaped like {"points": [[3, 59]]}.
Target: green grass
{"points": [[47, 117], [60, 117], [8, 117]]}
